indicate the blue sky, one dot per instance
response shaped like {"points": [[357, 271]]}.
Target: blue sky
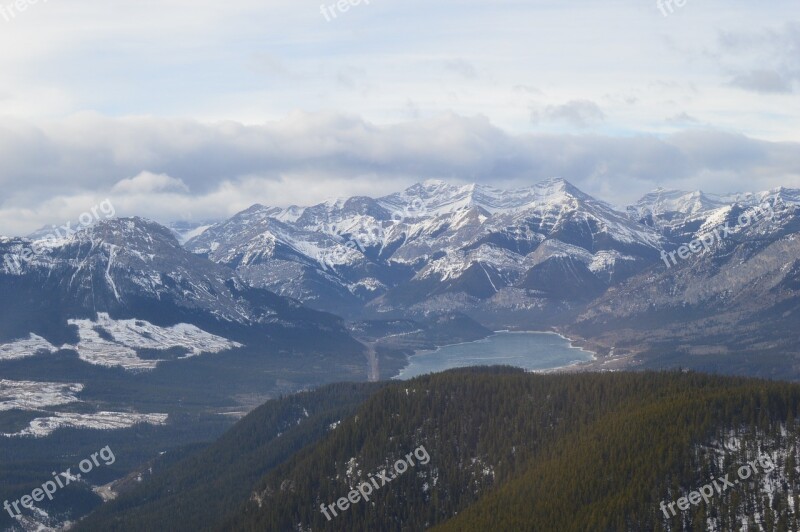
{"points": [[196, 109]]}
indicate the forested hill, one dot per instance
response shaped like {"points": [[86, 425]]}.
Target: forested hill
{"points": [[197, 491], [506, 451]]}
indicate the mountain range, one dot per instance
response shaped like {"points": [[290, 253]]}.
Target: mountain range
{"points": [[549, 256], [545, 256], [169, 334], [436, 247]]}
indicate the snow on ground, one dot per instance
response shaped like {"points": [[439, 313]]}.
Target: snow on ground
{"points": [[606, 261], [28, 395], [95, 350], [44, 426], [369, 283], [188, 235], [128, 336], [455, 263], [25, 348]]}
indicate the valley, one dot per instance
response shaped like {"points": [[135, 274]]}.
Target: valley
{"points": [[121, 333]]}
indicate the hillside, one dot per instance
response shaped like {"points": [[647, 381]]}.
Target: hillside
{"points": [[191, 493], [497, 448]]}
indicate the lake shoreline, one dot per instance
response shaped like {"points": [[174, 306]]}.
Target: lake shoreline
{"points": [[592, 356]]}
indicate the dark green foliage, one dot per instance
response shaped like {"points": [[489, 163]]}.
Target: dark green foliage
{"points": [[197, 491], [508, 451], [614, 474]]}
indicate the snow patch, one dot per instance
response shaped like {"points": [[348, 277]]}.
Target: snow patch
{"points": [[44, 426], [120, 340], [30, 395]]}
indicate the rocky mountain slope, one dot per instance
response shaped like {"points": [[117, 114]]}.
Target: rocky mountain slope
{"points": [[116, 335], [699, 275], [728, 302], [437, 247], [134, 268]]}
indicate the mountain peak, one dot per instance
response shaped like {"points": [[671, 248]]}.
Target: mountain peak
{"points": [[555, 187], [256, 207], [784, 194], [661, 201], [555, 181], [434, 183]]}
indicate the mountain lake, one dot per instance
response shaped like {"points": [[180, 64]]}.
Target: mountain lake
{"points": [[532, 351]]}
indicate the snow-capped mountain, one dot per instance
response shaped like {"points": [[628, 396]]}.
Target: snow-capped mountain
{"points": [[117, 328], [544, 255], [132, 268], [725, 295], [667, 209], [186, 230], [433, 244], [662, 207], [777, 203], [308, 265]]}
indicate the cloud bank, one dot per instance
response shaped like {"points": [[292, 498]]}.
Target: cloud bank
{"points": [[180, 169]]}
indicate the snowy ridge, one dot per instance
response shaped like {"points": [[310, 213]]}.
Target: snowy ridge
{"points": [[350, 251], [668, 207], [662, 201], [124, 262], [360, 251], [435, 198]]}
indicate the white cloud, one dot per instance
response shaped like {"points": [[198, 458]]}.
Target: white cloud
{"points": [[257, 60], [764, 61], [765, 81], [169, 169], [578, 113], [197, 108], [461, 67], [147, 182]]}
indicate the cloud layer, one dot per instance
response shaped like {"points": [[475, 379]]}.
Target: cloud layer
{"points": [[178, 169], [194, 109]]}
